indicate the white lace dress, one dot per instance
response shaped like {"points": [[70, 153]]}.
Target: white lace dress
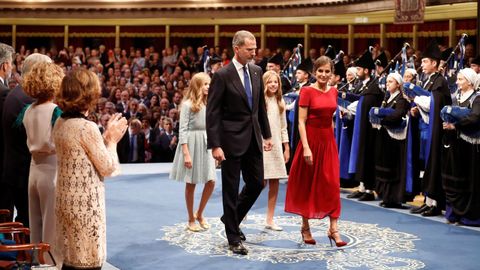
{"points": [[83, 161], [273, 161]]}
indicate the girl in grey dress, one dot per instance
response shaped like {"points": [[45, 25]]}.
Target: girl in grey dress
{"points": [[193, 162]]}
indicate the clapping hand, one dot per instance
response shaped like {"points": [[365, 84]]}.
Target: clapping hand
{"points": [[116, 127]]}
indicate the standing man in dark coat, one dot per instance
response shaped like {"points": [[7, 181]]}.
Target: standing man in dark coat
{"points": [[363, 139], [16, 163], [131, 148], [236, 122], [440, 97], [6, 58]]}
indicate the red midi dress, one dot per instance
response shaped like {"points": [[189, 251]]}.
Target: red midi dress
{"points": [[313, 191]]}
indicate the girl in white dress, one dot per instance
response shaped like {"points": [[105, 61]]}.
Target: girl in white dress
{"points": [[274, 160], [193, 162], [41, 83]]}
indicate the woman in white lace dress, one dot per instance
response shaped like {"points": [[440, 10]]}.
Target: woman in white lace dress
{"points": [[41, 83], [193, 162], [274, 160], [84, 159]]}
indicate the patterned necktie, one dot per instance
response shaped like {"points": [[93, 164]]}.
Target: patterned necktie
{"points": [[248, 89]]}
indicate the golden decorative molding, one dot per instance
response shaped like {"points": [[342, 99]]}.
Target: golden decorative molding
{"points": [[351, 39], [329, 35], [40, 34], [469, 32], [343, 17], [451, 32], [366, 35], [415, 36], [216, 39], [167, 36], [231, 34], [192, 35], [263, 36], [285, 35], [65, 36], [399, 35], [117, 36], [92, 34], [433, 34], [306, 40], [169, 4], [446, 33], [142, 35], [383, 36]]}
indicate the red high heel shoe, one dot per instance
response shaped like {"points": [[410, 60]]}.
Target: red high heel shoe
{"points": [[307, 241], [330, 237]]}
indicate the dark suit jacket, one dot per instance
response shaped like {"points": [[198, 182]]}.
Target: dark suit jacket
{"points": [[160, 145], [230, 120], [123, 148], [16, 161], [3, 94]]}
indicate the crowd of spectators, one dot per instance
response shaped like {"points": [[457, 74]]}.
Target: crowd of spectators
{"points": [[146, 85]]}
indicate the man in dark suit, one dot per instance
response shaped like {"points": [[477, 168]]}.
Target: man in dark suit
{"points": [[131, 148], [236, 121], [163, 142], [6, 58], [16, 163]]}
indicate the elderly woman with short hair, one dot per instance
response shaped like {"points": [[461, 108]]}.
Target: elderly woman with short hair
{"points": [[84, 159]]}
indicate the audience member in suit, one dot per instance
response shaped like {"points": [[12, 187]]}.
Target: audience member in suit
{"points": [[163, 142], [6, 58], [132, 111], [131, 148], [17, 165], [176, 100], [122, 105], [164, 106]]}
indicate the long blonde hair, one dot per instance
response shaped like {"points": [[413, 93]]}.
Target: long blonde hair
{"points": [[278, 95], [194, 92]]}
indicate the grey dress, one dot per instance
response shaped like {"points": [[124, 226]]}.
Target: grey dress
{"points": [[192, 132]]}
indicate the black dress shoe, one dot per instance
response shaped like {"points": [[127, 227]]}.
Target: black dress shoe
{"points": [[238, 248], [419, 210], [367, 197], [355, 195], [432, 211], [242, 236], [392, 205]]}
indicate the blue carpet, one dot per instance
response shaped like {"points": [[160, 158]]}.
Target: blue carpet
{"points": [[146, 230]]}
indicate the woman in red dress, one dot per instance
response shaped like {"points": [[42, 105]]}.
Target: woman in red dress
{"points": [[314, 182]]}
